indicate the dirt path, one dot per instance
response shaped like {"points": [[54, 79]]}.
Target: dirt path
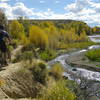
{"points": [[11, 66], [15, 51]]}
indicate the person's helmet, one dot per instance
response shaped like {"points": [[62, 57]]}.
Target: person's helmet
{"points": [[2, 27]]}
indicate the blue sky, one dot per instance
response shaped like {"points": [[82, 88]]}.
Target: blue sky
{"points": [[85, 10]]}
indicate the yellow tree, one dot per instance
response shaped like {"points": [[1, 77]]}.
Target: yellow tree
{"points": [[16, 29], [83, 37], [38, 37], [62, 34], [53, 37]]}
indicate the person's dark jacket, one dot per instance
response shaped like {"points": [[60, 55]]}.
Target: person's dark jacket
{"points": [[3, 34]]}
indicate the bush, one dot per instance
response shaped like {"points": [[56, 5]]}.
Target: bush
{"points": [[40, 73], [93, 55], [48, 55], [59, 91], [57, 71], [98, 65], [27, 55], [15, 43]]}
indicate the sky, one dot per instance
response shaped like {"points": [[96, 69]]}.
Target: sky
{"points": [[84, 10]]}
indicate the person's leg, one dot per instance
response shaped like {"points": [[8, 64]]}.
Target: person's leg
{"points": [[4, 53], [5, 61], [8, 55], [2, 59]]}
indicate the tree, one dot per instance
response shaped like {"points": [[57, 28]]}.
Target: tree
{"points": [[38, 37], [96, 30], [26, 23], [3, 19], [53, 37], [83, 37], [16, 29]]}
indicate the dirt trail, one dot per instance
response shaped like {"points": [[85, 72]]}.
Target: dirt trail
{"points": [[17, 81], [11, 68], [11, 65], [15, 51]]}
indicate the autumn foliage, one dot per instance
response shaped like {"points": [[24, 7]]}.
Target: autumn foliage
{"points": [[49, 34]]}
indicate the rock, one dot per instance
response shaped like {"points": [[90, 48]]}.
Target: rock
{"points": [[93, 89], [74, 69], [93, 98]]}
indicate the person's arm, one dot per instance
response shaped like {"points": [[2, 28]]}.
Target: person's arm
{"points": [[7, 36]]}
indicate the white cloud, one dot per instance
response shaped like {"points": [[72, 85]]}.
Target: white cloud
{"points": [[57, 1], [19, 9], [85, 10], [96, 6], [4, 0], [7, 9], [77, 6], [42, 1]]}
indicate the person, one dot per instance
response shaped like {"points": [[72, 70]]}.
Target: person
{"points": [[3, 46]]}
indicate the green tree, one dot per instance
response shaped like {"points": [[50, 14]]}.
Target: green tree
{"points": [[26, 23], [3, 19]]}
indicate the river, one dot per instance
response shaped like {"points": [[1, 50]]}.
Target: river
{"points": [[78, 73]]}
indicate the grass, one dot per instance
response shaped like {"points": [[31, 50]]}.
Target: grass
{"points": [[79, 45], [58, 91], [98, 65], [51, 54], [94, 55]]}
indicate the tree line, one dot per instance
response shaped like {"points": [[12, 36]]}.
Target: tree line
{"points": [[47, 34]]}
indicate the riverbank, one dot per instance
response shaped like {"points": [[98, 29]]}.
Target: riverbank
{"points": [[81, 61]]}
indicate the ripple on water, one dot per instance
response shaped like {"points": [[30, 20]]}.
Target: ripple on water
{"points": [[83, 72], [89, 74]]}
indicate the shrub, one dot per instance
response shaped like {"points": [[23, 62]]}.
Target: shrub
{"points": [[40, 73], [94, 55], [15, 43], [30, 47], [57, 71], [98, 65], [59, 91], [17, 58], [42, 65], [27, 55], [48, 55]]}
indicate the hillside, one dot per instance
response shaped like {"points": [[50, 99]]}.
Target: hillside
{"points": [[63, 24]]}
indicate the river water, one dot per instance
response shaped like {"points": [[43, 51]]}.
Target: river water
{"points": [[78, 73]]}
